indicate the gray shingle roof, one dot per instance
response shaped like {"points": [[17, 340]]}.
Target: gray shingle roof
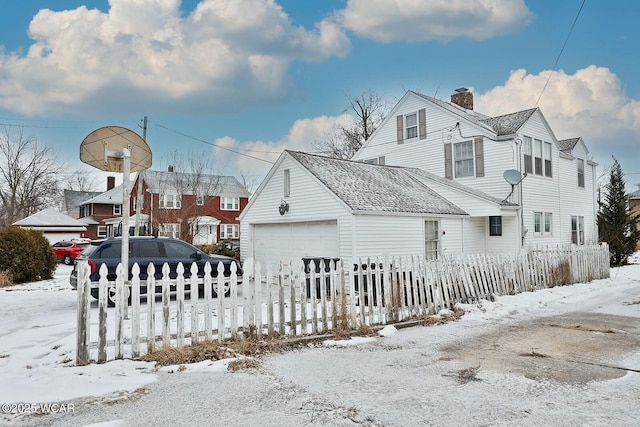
{"points": [[111, 197], [212, 185], [74, 198], [373, 188], [460, 187], [506, 124], [567, 145]]}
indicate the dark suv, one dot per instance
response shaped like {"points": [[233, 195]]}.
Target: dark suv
{"points": [[148, 250]]}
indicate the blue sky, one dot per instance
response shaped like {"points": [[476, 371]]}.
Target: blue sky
{"points": [[258, 76]]}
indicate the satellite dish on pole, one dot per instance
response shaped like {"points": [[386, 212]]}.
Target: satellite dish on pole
{"points": [[118, 149], [512, 176], [98, 147]]}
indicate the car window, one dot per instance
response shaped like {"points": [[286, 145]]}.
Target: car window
{"points": [[178, 250], [82, 245], [145, 249], [109, 250]]}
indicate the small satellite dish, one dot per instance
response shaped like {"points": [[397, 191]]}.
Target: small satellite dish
{"points": [[97, 147], [512, 176]]}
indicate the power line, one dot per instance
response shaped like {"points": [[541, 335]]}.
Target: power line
{"points": [[214, 145], [561, 50]]}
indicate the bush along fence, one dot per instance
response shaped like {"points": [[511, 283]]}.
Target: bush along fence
{"points": [[307, 299]]}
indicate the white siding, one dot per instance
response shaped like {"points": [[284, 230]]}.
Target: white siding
{"points": [[577, 201], [388, 235], [308, 201], [541, 193]]}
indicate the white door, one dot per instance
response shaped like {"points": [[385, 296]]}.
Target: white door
{"points": [[273, 243]]}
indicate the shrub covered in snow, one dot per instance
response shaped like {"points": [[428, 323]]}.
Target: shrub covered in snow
{"points": [[25, 255]]}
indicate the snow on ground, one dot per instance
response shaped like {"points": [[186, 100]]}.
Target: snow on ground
{"points": [[398, 378]]}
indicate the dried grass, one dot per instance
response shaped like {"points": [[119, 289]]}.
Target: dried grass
{"points": [[247, 350], [5, 279], [439, 319], [467, 375]]}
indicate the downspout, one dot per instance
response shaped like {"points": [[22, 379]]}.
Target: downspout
{"points": [[518, 141]]}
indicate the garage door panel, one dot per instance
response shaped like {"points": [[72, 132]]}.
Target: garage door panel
{"points": [[290, 242]]}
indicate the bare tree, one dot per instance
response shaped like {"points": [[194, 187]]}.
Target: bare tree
{"points": [[248, 181], [192, 183], [83, 181], [28, 176], [369, 110]]}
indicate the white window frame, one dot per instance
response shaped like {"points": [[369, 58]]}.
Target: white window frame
{"points": [[102, 231], [287, 183], [528, 154], [199, 199], [117, 209], [431, 239], [228, 203], [581, 173], [547, 153], [548, 223], [229, 231], [409, 130], [495, 229], [169, 230], [543, 223], [577, 230], [169, 201], [460, 161], [538, 164]]}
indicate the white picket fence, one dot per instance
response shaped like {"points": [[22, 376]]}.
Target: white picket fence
{"points": [[292, 302]]}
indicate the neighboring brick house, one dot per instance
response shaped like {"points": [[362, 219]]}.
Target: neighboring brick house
{"points": [[634, 207], [194, 207], [73, 199], [102, 213]]}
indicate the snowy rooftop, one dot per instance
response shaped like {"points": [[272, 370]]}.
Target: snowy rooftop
{"points": [[49, 218], [212, 185], [365, 187]]}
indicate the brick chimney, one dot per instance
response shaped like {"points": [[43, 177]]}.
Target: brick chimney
{"points": [[463, 97], [170, 168], [111, 182]]}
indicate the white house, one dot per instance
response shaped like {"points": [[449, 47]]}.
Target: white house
{"points": [[54, 225], [314, 206], [557, 197]]}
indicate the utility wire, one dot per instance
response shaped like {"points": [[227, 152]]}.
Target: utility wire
{"points": [[213, 145], [561, 51]]}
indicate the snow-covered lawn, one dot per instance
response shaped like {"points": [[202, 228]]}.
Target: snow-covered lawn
{"points": [[402, 377]]}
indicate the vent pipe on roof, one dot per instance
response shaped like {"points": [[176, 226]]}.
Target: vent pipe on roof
{"points": [[463, 97]]}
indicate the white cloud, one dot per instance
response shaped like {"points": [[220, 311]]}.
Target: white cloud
{"points": [[257, 157], [222, 55], [590, 103], [419, 20]]}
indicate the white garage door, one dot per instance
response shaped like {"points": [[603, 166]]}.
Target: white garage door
{"points": [[285, 242]]}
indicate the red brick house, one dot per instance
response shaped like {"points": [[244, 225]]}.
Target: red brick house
{"points": [[194, 207], [101, 212]]}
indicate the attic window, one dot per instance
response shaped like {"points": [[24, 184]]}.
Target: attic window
{"points": [[411, 125], [287, 183]]}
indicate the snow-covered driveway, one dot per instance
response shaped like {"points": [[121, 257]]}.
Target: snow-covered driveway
{"points": [[452, 374]]}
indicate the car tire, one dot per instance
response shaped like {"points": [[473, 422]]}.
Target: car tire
{"points": [[227, 289], [67, 259], [111, 296]]}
